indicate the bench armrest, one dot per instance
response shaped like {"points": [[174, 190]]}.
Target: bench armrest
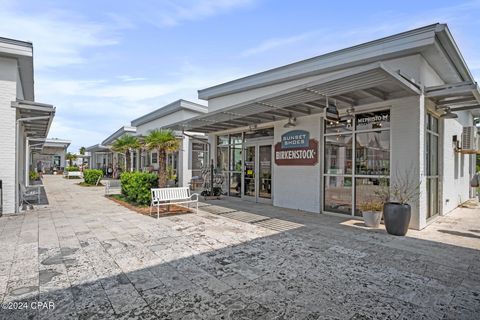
{"points": [[196, 195]]}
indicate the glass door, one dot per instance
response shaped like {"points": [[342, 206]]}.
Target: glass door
{"points": [[249, 166], [257, 173], [265, 172]]}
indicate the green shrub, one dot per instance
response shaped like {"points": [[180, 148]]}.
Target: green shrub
{"points": [[136, 186], [34, 175], [91, 176], [74, 168]]}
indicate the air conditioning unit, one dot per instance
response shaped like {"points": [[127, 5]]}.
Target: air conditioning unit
{"points": [[469, 138]]}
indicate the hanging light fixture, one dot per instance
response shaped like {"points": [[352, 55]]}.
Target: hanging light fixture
{"points": [[448, 114], [349, 116], [331, 112], [291, 121]]}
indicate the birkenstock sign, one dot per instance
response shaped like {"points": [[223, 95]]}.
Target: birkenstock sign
{"points": [[296, 149]]}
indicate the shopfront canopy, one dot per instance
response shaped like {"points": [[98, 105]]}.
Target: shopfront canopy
{"points": [[373, 82], [36, 119], [458, 96]]}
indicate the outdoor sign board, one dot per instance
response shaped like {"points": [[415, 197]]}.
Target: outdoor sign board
{"points": [[296, 149]]}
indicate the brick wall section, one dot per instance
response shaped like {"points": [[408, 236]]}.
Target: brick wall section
{"points": [[7, 132]]}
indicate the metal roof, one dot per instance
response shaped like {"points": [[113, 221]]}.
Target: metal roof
{"points": [[168, 109], [55, 142], [373, 82], [117, 134], [36, 119], [458, 96], [434, 42]]}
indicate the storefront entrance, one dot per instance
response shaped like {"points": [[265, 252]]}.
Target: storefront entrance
{"points": [[257, 172]]}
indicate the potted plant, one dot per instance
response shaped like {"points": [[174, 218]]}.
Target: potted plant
{"points": [[404, 189], [372, 212]]}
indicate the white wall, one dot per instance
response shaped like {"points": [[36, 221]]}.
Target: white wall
{"points": [[456, 175], [298, 187], [8, 90]]}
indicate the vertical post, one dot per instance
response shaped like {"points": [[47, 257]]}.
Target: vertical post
{"points": [[211, 177]]}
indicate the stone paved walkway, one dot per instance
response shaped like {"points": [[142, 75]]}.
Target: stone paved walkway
{"points": [[95, 259]]}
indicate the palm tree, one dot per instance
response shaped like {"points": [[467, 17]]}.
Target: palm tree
{"points": [[164, 142], [124, 145], [82, 151], [70, 157]]}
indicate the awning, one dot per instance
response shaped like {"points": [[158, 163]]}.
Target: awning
{"points": [[458, 96], [372, 83], [36, 119]]}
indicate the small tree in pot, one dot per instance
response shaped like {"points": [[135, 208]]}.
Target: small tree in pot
{"points": [[403, 190], [371, 212]]}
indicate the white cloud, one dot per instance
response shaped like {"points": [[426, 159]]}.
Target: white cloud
{"points": [[173, 13], [275, 43], [128, 78], [59, 37]]}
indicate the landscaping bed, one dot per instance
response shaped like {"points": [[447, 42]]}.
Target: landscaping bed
{"points": [[165, 211]]}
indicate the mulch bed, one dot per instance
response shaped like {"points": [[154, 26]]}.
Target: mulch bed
{"points": [[164, 212]]}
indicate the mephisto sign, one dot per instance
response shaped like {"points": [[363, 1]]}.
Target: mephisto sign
{"points": [[296, 149]]}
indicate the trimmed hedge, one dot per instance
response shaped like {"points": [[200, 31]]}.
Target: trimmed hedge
{"points": [[136, 186], [74, 168], [91, 176]]}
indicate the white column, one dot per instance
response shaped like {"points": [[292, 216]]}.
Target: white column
{"points": [[27, 162], [137, 162]]}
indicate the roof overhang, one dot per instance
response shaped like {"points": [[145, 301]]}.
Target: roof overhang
{"points": [[22, 51], [117, 134], [373, 83], [169, 109], [459, 96], [98, 148], [57, 143], [434, 42], [36, 119]]}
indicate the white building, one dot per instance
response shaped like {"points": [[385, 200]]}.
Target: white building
{"points": [[186, 163], [51, 156], [273, 142], [24, 124]]}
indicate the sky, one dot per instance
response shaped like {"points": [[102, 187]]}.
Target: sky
{"points": [[105, 63]]}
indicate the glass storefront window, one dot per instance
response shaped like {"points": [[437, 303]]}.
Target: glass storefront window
{"points": [[222, 158], [236, 158], [338, 194], [338, 126], [236, 138], [261, 133], [372, 120], [372, 153], [369, 191], [338, 154], [235, 184], [222, 140]]}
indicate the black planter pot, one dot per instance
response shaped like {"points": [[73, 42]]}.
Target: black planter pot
{"points": [[396, 217]]}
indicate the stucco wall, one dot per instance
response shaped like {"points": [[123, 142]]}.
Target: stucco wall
{"points": [[298, 187], [456, 175], [8, 89]]}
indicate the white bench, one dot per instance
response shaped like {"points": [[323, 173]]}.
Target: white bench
{"points": [[168, 196], [113, 187], [74, 174]]}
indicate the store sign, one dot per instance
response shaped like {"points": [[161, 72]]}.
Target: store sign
{"points": [[295, 139], [296, 149]]}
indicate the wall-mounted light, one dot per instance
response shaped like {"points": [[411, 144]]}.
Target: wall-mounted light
{"points": [[448, 114]]}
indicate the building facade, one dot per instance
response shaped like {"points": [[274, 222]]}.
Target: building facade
{"points": [[24, 123], [325, 134], [51, 158], [186, 164]]}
